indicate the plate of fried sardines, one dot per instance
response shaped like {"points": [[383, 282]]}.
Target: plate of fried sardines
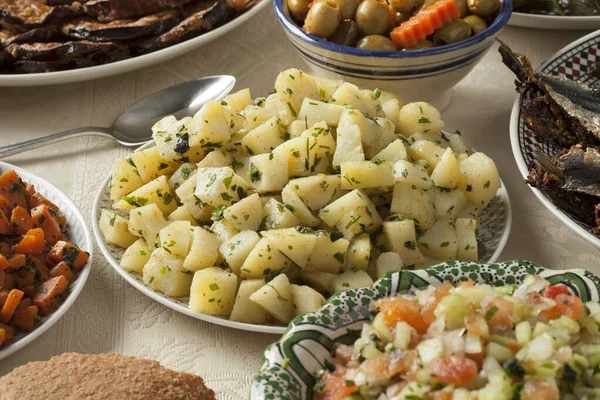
{"points": [[555, 131], [61, 41]]}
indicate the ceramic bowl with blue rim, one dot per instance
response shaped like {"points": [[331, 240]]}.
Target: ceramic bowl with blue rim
{"points": [[425, 74], [288, 367]]}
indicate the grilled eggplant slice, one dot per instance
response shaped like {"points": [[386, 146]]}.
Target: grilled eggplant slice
{"points": [[123, 29], [41, 34], [31, 13], [84, 60], [209, 16], [54, 51], [112, 10]]}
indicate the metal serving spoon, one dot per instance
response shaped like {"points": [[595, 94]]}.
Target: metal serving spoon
{"points": [[133, 126]]}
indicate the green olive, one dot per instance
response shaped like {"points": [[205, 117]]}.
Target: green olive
{"points": [[476, 23], [423, 44], [454, 32], [483, 8], [373, 17], [423, 4], [376, 42], [346, 34], [323, 18], [400, 18], [298, 9], [403, 6], [348, 8], [463, 8]]}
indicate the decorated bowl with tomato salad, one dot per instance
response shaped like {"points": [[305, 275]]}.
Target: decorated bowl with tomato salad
{"points": [[457, 330], [421, 54]]}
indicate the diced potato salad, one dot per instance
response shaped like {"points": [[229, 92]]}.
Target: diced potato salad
{"points": [[257, 208], [471, 342]]}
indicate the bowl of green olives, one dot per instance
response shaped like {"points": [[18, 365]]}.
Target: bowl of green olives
{"points": [[419, 48]]}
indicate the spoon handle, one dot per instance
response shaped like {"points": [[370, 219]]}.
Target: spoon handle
{"points": [[6, 151]]}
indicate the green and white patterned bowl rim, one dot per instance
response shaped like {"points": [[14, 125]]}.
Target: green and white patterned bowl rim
{"points": [[288, 365]]}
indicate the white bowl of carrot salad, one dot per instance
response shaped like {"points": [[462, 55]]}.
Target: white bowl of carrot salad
{"points": [[457, 331]]}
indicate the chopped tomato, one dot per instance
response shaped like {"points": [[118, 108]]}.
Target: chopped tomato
{"points": [[335, 387], [570, 306], [415, 340], [453, 370], [428, 308], [440, 395], [398, 308], [554, 290], [500, 312], [389, 364], [537, 389], [549, 314]]}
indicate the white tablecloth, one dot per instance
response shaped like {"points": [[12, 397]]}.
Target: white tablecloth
{"points": [[111, 316]]}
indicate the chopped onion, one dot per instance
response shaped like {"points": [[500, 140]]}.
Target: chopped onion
{"points": [[541, 347], [437, 327], [535, 286]]}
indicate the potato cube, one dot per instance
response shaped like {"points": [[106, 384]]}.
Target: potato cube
{"points": [[146, 222], [482, 180], [458, 143], [209, 127], [327, 87], [412, 202], [471, 211], [366, 174], [339, 208], [237, 101], [276, 298], [279, 215], [362, 100], [136, 256], [164, 272], [412, 174], [182, 174], [393, 152], [203, 250], [298, 208], [264, 138], [420, 117], [125, 179], [447, 174], [306, 299], [297, 246], [319, 280], [255, 115], [213, 291], [115, 229], [449, 202], [219, 186], [248, 311], [171, 139], [264, 260], [357, 222], [388, 262], [349, 145], [224, 230], [328, 255], [236, 250], [351, 280], [440, 241], [182, 213], [150, 165], [427, 151], [296, 128], [157, 192], [466, 239], [295, 85], [268, 172], [359, 252], [314, 111], [245, 214], [316, 191], [175, 238], [199, 210], [391, 108], [401, 238]]}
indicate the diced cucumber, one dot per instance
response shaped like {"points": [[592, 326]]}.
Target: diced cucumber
{"points": [[546, 369], [476, 294], [503, 340], [413, 390], [380, 326], [473, 344], [581, 360], [523, 332], [565, 322], [540, 328], [499, 352], [402, 335], [462, 394], [430, 350], [370, 351], [453, 308]]}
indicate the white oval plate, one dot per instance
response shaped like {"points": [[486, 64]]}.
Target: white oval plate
{"points": [[554, 22], [131, 64], [494, 229], [78, 233], [572, 61]]}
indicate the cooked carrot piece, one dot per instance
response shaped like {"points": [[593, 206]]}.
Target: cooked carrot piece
{"points": [[39, 265], [13, 189], [2, 278], [4, 223], [9, 332], [10, 305], [24, 303], [2, 336], [32, 243], [62, 268], [65, 251], [25, 277], [42, 218], [5, 204], [17, 261], [9, 282], [29, 188], [50, 294], [24, 319], [4, 264], [20, 221], [37, 200], [424, 23], [3, 296]]}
